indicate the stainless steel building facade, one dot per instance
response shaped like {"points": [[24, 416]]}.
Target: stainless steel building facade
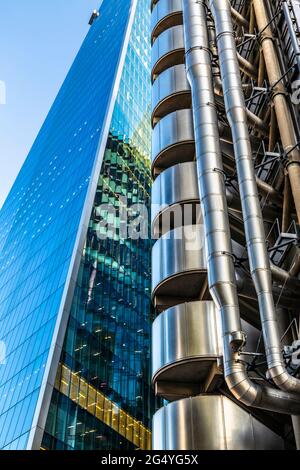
{"points": [[226, 209], [75, 303]]}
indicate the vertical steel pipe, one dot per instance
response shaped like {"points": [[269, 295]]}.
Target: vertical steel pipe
{"points": [[296, 426], [261, 70], [239, 18], [286, 211], [279, 98], [221, 273]]}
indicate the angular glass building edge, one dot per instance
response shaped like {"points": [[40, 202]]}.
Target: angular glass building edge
{"points": [[51, 255]]}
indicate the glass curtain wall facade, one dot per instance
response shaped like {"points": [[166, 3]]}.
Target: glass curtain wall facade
{"points": [[102, 397]]}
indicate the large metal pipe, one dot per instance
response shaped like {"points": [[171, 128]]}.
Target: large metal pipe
{"points": [[254, 120], [221, 273], [279, 98], [253, 221]]}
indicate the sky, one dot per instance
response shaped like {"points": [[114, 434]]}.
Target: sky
{"points": [[39, 40]]}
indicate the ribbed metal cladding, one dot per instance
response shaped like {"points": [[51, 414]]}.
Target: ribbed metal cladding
{"points": [[170, 92]]}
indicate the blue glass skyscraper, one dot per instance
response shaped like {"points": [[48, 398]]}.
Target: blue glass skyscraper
{"points": [[75, 306]]}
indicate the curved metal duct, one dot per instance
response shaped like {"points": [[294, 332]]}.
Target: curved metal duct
{"points": [[253, 220], [289, 281], [224, 426], [239, 18], [221, 274]]}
